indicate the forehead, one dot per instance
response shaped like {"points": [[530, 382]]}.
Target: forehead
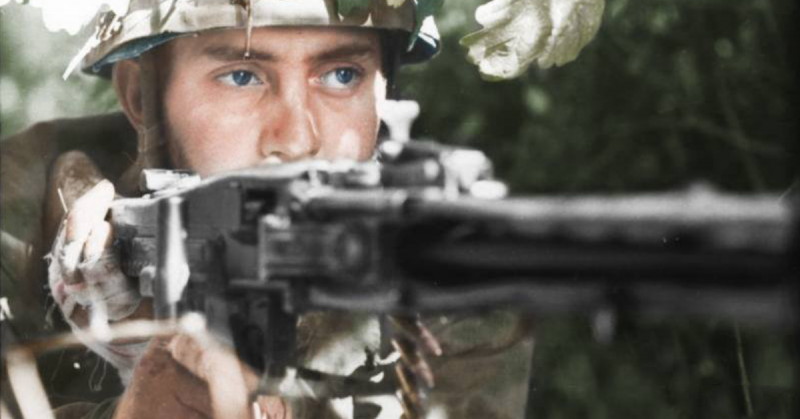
{"points": [[279, 42]]}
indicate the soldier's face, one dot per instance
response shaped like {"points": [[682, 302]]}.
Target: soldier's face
{"points": [[303, 93]]}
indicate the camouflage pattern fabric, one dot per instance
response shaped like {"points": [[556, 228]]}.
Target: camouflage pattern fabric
{"points": [[483, 371]]}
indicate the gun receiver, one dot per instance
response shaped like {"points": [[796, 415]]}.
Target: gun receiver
{"points": [[428, 230]]}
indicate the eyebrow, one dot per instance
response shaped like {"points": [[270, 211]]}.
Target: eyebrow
{"points": [[346, 51], [229, 53]]}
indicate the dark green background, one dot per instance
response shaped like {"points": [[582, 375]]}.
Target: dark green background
{"points": [[670, 93]]}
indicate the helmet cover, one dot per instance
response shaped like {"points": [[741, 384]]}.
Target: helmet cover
{"points": [[149, 23]]}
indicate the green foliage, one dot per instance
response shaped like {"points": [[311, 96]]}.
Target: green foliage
{"points": [[675, 369], [346, 7], [667, 94], [31, 63]]}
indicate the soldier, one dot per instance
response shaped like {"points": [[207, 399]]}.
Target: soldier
{"points": [[214, 86]]}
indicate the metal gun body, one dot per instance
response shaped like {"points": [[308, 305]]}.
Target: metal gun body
{"points": [[404, 238]]}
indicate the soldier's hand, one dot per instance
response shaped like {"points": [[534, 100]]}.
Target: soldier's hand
{"points": [[194, 377], [84, 271]]}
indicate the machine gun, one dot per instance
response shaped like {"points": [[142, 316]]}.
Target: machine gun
{"points": [[428, 230]]}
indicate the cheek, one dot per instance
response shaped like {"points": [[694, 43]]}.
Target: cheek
{"points": [[350, 129], [209, 135], [352, 145]]}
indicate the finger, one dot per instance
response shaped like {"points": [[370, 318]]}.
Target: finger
{"points": [[160, 387], [99, 240], [88, 211], [221, 371], [107, 286], [414, 360], [192, 390], [198, 356], [188, 353], [74, 173], [271, 407], [413, 329]]}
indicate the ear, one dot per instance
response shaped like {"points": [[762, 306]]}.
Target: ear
{"points": [[127, 83]]}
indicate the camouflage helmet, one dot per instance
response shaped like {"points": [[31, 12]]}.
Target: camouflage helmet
{"points": [[146, 24]]}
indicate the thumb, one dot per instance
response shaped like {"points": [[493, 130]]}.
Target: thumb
{"points": [[219, 368], [71, 176]]}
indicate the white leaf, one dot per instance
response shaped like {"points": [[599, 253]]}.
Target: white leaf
{"points": [[575, 23], [395, 3], [72, 16], [514, 33], [517, 33]]}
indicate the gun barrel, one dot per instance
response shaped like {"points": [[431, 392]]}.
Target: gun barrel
{"points": [[715, 239], [760, 223]]}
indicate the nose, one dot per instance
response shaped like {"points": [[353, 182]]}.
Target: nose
{"points": [[290, 129]]}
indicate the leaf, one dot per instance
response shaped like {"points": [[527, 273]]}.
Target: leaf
{"points": [[575, 23], [72, 16], [517, 33], [514, 33], [346, 7], [395, 3]]}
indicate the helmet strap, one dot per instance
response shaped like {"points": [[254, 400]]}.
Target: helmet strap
{"points": [[392, 45], [151, 152]]}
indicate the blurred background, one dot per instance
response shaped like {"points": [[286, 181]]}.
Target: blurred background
{"points": [[670, 93]]}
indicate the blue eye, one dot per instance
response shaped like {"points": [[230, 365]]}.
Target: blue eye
{"points": [[341, 78], [345, 75], [240, 78]]}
